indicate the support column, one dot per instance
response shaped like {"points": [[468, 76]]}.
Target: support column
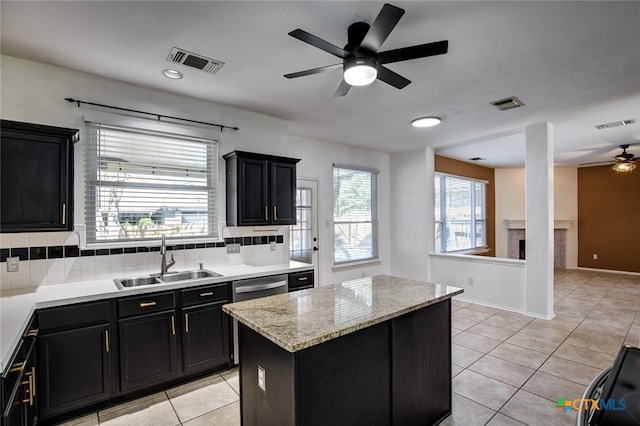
{"points": [[539, 220]]}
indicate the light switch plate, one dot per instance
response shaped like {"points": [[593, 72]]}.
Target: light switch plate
{"points": [[13, 264], [273, 245], [233, 248], [262, 384]]}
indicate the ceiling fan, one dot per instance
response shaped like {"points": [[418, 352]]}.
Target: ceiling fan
{"points": [[361, 61], [623, 162]]}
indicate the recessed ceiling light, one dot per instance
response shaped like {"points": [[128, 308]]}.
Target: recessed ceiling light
{"points": [[173, 74], [426, 122]]}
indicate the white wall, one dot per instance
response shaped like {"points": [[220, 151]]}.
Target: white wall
{"points": [[34, 92], [510, 204], [489, 281], [412, 232]]}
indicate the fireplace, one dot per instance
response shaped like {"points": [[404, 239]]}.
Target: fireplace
{"points": [[516, 241]]}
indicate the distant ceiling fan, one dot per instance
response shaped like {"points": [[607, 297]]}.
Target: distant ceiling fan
{"points": [[623, 162], [361, 61]]}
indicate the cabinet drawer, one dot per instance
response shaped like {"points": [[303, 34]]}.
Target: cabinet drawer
{"points": [[139, 305], [209, 293], [73, 316], [300, 279]]}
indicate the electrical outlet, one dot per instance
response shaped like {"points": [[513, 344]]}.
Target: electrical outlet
{"points": [[233, 248], [13, 264], [470, 282], [595, 256], [262, 384], [273, 245]]}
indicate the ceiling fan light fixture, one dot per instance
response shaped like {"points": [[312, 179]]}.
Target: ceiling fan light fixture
{"points": [[360, 71], [623, 167], [426, 122]]}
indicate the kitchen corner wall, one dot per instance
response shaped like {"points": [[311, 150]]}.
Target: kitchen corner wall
{"points": [[35, 93]]}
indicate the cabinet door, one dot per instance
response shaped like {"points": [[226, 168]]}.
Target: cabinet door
{"points": [[253, 192], [148, 351], [74, 369], [205, 337], [283, 193], [36, 177]]}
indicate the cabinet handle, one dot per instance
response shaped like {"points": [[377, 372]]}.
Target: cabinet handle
{"points": [[275, 213], [33, 379], [145, 304], [266, 212], [209, 293], [186, 323], [64, 213], [106, 339], [173, 325], [30, 390], [31, 333], [17, 367], [303, 278]]}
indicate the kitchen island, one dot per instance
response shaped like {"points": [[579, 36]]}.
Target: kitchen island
{"points": [[371, 351]]}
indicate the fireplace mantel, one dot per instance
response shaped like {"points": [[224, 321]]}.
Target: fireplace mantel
{"points": [[520, 224]]}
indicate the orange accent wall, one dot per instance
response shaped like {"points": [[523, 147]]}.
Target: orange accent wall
{"points": [[608, 219], [460, 168]]}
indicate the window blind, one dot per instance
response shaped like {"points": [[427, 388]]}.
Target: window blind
{"points": [[140, 184], [355, 218], [460, 213]]}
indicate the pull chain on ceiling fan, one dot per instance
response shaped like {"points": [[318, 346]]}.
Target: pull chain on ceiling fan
{"points": [[362, 64]]}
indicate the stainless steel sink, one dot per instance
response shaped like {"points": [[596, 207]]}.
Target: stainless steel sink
{"points": [[197, 274], [189, 275], [136, 282]]}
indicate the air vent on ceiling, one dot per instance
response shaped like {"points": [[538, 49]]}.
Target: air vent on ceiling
{"points": [[477, 159], [507, 103], [181, 56], [615, 124]]}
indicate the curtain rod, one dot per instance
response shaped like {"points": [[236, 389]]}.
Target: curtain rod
{"points": [[160, 116]]}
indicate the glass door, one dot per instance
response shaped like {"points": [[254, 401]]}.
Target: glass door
{"points": [[303, 239]]}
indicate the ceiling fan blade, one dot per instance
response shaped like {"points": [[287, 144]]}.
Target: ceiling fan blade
{"points": [[392, 78], [382, 27], [313, 71], [343, 89], [319, 43], [414, 52], [597, 162]]}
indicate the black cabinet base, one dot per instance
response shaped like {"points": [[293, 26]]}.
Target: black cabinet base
{"points": [[394, 373]]}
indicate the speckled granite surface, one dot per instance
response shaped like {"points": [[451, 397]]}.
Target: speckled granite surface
{"points": [[298, 320]]}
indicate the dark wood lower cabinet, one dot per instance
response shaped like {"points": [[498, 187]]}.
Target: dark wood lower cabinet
{"points": [[397, 372], [74, 369], [205, 337], [148, 350]]}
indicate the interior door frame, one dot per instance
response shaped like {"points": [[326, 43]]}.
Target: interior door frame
{"points": [[312, 183]]}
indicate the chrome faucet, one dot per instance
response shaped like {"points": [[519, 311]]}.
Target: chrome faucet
{"points": [[164, 265]]}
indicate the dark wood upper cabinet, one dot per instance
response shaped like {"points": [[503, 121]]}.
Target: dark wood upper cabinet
{"points": [[261, 189], [36, 177]]}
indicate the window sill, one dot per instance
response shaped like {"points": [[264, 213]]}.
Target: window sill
{"points": [[355, 264], [476, 250]]}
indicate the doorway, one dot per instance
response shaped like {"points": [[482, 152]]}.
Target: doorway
{"points": [[303, 236]]}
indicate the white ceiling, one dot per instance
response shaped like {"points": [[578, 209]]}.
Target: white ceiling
{"points": [[575, 64]]}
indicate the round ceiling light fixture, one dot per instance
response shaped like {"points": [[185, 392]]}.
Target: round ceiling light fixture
{"points": [[172, 74], [360, 71], [426, 122]]}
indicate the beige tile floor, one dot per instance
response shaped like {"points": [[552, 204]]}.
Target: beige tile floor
{"points": [[508, 369]]}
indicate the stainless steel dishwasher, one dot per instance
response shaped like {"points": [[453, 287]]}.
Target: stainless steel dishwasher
{"points": [[254, 288]]}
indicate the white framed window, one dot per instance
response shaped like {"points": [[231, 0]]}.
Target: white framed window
{"points": [[140, 184], [460, 213], [355, 219]]}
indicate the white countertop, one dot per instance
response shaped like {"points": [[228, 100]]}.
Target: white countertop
{"points": [[17, 306]]}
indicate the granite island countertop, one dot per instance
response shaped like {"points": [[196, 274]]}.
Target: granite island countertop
{"points": [[298, 320]]}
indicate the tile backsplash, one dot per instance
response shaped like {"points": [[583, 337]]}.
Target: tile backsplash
{"points": [[56, 258]]}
